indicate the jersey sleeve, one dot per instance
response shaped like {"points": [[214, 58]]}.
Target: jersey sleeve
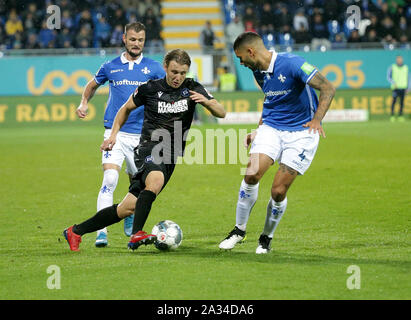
{"points": [[159, 72], [200, 89], [139, 95], [303, 70], [101, 76]]}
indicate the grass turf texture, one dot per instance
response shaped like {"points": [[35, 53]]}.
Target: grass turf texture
{"points": [[351, 208]]}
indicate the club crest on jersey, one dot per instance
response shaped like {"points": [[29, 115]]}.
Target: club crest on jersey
{"points": [[185, 93], [145, 70], [281, 78], [149, 159]]}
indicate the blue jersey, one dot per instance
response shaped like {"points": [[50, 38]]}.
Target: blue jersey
{"points": [[289, 101], [124, 77]]}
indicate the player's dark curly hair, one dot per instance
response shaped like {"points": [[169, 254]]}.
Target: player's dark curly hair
{"points": [[179, 56]]}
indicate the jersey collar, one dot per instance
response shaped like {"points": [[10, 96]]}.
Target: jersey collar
{"points": [[271, 66], [124, 59]]}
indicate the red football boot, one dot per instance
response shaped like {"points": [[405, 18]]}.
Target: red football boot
{"points": [[72, 239], [140, 238]]}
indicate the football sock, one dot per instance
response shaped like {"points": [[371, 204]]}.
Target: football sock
{"points": [[246, 199], [143, 207], [101, 219], [105, 196], [275, 211]]}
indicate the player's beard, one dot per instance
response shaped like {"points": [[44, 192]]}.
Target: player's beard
{"points": [[133, 54]]}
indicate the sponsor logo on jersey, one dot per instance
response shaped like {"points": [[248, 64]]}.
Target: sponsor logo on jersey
{"points": [[175, 107], [126, 82], [160, 93], [307, 68], [277, 93], [116, 70]]}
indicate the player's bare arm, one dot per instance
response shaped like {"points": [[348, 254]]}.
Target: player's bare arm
{"points": [[216, 109], [121, 117], [88, 93], [327, 92]]}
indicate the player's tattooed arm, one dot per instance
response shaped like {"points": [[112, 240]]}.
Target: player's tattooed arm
{"points": [[327, 92]]}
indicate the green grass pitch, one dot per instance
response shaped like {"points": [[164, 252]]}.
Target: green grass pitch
{"points": [[352, 207]]}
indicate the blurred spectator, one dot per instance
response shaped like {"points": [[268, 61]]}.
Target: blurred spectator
{"points": [[267, 19], [227, 81], [207, 38], [387, 31], [354, 38], [339, 41], [371, 36], [102, 32], [319, 33], [46, 36], [64, 39], [13, 24], [32, 18], [31, 42], [85, 20], [300, 20], [142, 7], [302, 35], [84, 38], [403, 28], [234, 28], [116, 39], [318, 28], [250, 20], [119, 18], [153, 37], [282, 18], [67, 20]]}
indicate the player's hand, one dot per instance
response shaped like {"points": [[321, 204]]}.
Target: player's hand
{"points": [[82, 111], [108, 144], [315, 126], [198, 97], [249, 138]]}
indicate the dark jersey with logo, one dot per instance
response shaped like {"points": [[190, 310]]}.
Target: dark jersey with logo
{"points": [[168, 113]]}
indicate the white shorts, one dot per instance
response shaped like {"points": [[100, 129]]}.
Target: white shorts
{"points": [[123, 150], [295, 149]]}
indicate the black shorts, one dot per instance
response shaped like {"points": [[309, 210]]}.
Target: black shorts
{"points": [[146, 163]]}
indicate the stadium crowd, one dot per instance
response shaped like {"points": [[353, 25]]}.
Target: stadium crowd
{"points": [[326, 22], [84, 23], [100, 23]]}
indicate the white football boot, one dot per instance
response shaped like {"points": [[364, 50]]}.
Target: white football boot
{"points": [[234, 237]]}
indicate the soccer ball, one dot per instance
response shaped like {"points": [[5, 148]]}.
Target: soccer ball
{"points": [[169, 235]]}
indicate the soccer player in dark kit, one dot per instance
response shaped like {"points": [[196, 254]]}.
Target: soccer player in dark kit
{"points": [[168, 114]]}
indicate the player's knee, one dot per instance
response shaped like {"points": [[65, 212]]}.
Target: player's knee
{"points": [[252, 178], [279, 192], [110, 178]]}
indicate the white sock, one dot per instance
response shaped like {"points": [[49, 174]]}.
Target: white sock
{"points": [[275, 211], [246, 199], [105, 196]]}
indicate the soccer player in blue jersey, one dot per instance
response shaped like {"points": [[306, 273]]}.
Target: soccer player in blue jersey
{"points": [[124, 74], [288, 132]]}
